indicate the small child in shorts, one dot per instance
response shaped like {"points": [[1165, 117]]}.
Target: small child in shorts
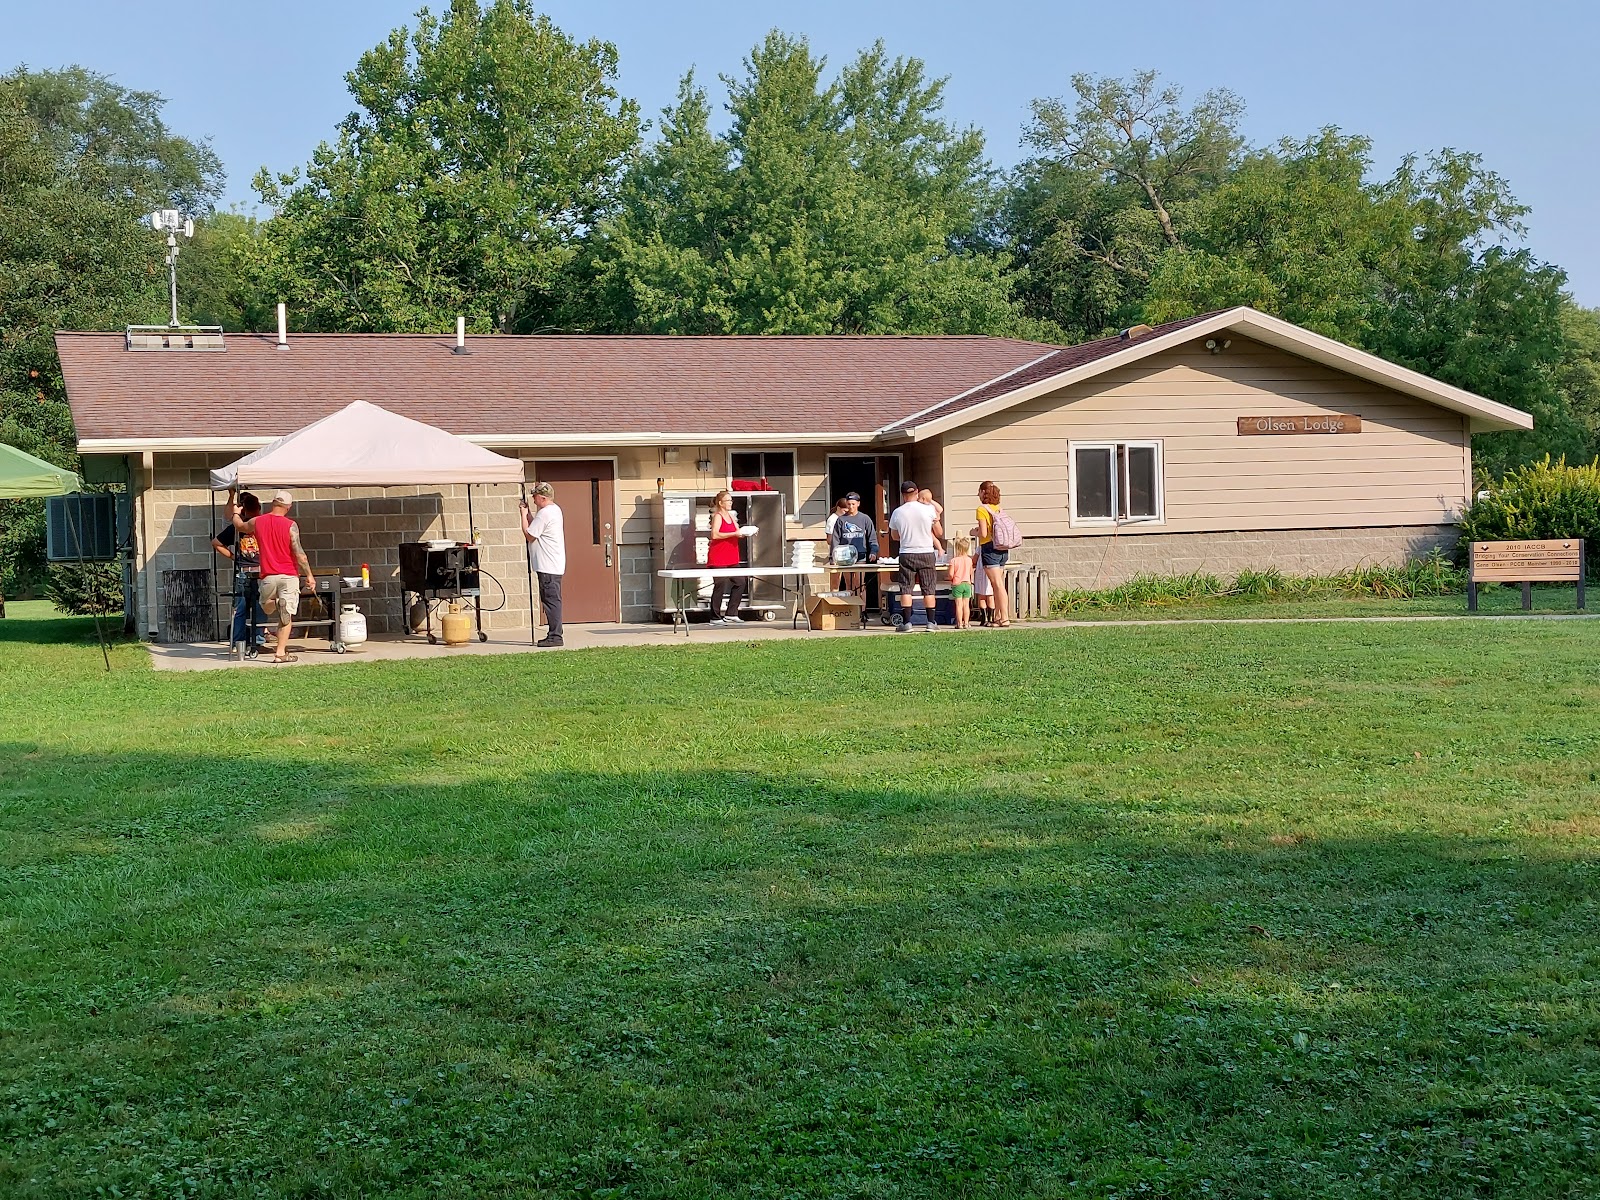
{"points": [[961, 570], [984, 592]]}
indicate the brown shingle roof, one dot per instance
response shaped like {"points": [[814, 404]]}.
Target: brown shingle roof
{"points": [[549, 385]]}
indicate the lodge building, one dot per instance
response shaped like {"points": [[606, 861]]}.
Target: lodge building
{"points": [[1221, 442]]}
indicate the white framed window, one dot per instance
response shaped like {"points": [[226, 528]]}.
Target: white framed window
{"points": [[1115, 483], [777, 467]]}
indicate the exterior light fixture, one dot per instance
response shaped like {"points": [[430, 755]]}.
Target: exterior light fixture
{"points": [[669, 455], [1218, 345]]}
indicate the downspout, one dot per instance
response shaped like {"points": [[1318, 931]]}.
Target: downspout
{"points": [[125, 552], [147, 481]]}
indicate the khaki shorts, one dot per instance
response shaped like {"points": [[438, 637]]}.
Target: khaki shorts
{"points": [[280, 596]]}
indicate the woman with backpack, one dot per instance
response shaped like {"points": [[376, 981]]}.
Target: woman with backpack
{"points": [[997, 537]]}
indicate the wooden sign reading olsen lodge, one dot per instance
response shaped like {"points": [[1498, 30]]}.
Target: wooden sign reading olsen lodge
{"points": [[1326, 423]]}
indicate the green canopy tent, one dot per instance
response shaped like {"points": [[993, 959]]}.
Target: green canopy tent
{"points": [[23, 476]]}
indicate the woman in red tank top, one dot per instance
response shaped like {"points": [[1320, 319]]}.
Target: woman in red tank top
{"points": [[724, 552]]}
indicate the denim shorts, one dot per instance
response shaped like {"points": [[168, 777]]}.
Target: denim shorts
{"points": [[992, 557]]}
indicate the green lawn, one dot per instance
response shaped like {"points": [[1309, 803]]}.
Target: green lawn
{"points": [[1237, 910]]}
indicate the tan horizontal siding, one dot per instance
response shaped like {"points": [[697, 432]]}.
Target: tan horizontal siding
{"points": [[1408, 465], [1396, 454], [1089, 424], [1035, 525]]}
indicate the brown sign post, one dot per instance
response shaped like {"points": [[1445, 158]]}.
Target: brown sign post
{"points": [[1553, 560]]}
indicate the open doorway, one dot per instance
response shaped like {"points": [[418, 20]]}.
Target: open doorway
{"points": [[876, 477]]}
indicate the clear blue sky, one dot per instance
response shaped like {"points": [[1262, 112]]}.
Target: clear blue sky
{"points": [[1514, 82]]}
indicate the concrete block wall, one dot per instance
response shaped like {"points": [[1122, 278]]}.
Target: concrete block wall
{"points": [[341, 528], [1101, 561]]}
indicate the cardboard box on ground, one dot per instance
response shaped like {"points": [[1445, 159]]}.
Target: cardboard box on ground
{"points": [[829, 610]]}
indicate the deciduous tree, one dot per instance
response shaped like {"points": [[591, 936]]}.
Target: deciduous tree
{"points": [[485, 144], [81, 160], [843, 206], [1105, 194]]}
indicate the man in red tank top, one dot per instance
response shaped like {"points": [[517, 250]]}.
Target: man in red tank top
{"points": [[283, 563]]}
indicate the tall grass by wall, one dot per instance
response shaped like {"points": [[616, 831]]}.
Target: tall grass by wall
{"points": [[1434, 575]]}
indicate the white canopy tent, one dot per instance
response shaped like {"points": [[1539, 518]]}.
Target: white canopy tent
{"points": [[363, 445]]}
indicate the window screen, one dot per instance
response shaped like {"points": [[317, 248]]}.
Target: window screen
{"points": [[1116, 482], [1091, 484], [1141, 477]]}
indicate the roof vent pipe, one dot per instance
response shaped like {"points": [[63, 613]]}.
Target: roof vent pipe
{"points": [[283, 327], [461, 337]]}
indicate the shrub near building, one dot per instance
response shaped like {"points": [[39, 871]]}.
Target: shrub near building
{"points": [[1538, 500]]}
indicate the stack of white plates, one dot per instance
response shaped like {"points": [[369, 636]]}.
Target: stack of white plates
{"points": [[802, 555]]}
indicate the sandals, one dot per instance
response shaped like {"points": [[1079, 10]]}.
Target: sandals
{"points": [[287, 658]]}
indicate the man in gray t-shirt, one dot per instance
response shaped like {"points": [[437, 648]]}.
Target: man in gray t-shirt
{"points": [[915, 526]]}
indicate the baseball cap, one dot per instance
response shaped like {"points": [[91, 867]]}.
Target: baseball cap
{"points": [[907, 486], [544, 489], [283, 496]]}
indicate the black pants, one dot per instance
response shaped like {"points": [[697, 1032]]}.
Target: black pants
{"points": [[550, 601], [733, 589]]}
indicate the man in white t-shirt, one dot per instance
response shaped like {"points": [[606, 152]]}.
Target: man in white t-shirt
{"points": [[545, 531], [915, 526]]}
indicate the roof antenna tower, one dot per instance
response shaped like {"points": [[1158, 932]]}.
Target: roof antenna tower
{"points": [[172, 222]]}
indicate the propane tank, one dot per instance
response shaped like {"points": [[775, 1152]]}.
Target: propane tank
{"points": [[352, 626], [457, 626]]}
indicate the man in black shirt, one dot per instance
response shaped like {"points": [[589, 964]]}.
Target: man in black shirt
{"points": [[245, 554]]}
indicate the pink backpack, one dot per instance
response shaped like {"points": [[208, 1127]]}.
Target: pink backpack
{"points": [[1003, 531]]}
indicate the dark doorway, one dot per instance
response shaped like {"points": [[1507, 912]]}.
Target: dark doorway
{"points": [[586, 492], [877, 478]]}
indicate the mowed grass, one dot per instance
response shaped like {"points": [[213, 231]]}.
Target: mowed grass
{"points": [[1241, 910]]}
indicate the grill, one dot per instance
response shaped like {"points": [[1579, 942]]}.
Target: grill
{"points": [[442, 574], [432, 574]]}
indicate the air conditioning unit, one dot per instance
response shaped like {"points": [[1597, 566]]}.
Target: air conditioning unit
{"points": [[81, 528]]}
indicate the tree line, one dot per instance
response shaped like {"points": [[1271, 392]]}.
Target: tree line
{"points": [[492, 168]]}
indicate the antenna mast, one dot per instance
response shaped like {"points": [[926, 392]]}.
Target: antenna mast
{"points": [[172, 222]]}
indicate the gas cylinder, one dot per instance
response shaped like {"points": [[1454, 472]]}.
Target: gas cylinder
{"points": [[457, 626], [352, 626]]}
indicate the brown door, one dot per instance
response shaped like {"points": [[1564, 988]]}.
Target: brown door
{"points": [[586, 492]]}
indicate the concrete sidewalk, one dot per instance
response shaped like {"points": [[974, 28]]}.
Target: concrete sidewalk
{"points": [[213, 656]]}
